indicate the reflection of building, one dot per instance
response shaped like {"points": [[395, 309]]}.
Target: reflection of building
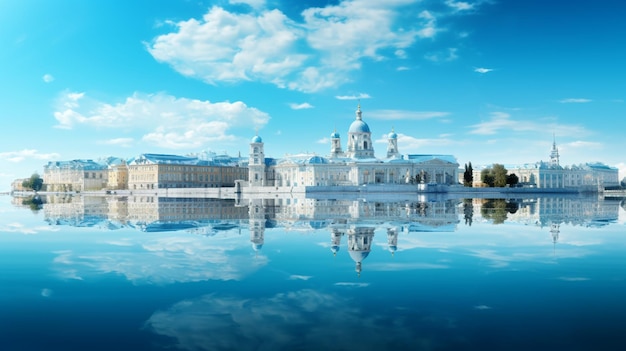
{"points": [[356, 166], [360, 244]]}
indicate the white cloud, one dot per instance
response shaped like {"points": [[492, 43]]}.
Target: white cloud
{"points": [[405, 115], [353, 97], [443, 56], [319, 50], [460, 5], [574, 101], [502, 121], [482, 70], [19, 156], [167, 121], [122, 142], [302, 106], [48, 78]]}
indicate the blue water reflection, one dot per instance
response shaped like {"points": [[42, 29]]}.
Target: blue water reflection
{"points": [[289, 273]]}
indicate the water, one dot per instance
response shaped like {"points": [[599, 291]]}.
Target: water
{"points": [[401, 273]]}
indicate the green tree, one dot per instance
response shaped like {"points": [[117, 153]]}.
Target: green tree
{"points": [[499, 175], [495, 176], [512, 179], [35, 182], [468, 175], [486, 177]]}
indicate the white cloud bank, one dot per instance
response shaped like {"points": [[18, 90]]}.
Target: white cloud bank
{"points": [[165, 120], [319, 50]]}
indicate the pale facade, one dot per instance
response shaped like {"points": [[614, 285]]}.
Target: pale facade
{"points": [[75, 175], [356, 166], [154, 171]]}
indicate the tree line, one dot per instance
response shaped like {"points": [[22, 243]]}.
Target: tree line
{"points": [[494, 177]]}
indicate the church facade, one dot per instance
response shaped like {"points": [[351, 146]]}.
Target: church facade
{"points": [[355, 166]]}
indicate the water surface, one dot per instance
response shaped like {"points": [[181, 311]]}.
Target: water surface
{"points": [[145, 273]]}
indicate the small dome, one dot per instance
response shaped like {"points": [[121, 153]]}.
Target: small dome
{"points": [[335, 135], [316, 160], [358, 126], [393, 135], [257, 139]]}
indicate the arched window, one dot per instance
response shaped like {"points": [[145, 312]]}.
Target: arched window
{"points": [[365, 145], [256, 149]]}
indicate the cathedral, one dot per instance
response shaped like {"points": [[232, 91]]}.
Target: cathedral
{"points": [[357, 165]]}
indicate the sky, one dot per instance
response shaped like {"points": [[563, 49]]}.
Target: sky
{"points": [[488, 81]]}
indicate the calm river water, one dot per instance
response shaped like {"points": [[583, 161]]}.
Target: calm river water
{"points": [[334, 273]]}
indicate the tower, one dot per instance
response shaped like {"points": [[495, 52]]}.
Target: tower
{"points": [[256, 163], [335, 145], [554, 154], [359, 138], [392, 145]]}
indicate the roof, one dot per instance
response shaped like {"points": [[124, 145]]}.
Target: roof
{"points": [[420, 158], [89, 165]]}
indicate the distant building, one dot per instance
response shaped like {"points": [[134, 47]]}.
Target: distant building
{"points": [[551, 175], [75, 175], [18, 184], [155, 171], [355, 166]]}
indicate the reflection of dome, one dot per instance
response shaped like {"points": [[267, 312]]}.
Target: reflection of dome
{"points": [[334, 249], [358, 256], [317, 224], [257, 247], [393, 248], [257, 139], [358, 126]]}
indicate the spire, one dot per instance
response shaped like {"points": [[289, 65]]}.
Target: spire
{"points": [[358, 111], [554, 154]]}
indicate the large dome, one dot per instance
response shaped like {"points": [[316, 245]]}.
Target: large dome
{"points": [[358, 126]]}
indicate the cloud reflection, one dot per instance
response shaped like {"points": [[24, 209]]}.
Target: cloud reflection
{"points": [[298, 320], [163, 260]]}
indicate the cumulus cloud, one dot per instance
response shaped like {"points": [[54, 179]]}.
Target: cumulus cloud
{"points": [[167, 121], [48, 78], [302, 106], [318, 50], [574, 101], [26, 154]]}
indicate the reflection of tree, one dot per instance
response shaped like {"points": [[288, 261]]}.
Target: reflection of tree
{"points": [[35, 203], [496, 209], [468, 211]]}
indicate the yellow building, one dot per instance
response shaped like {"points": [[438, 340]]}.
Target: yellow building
{"points": [[154, 171]]}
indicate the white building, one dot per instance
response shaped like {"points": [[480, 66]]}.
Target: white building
{"points": [[357, 165], [551, 175]]}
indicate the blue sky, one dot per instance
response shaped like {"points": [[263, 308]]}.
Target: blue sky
{"points": [[484, 80]]}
